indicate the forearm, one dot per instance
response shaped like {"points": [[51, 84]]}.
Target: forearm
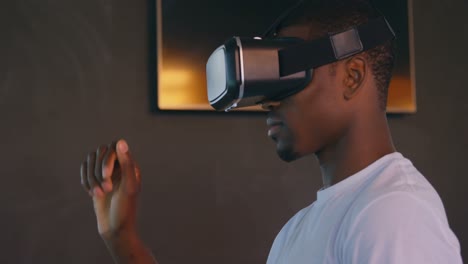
{"points": [[129, 249]]}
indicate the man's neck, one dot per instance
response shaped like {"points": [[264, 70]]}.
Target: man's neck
{"points": [[364, 143]]}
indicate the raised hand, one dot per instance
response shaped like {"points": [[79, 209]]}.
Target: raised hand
{"points": [[112, 179]]}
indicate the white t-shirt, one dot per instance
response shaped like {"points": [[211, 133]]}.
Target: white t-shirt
{"points": [[386, 213]]}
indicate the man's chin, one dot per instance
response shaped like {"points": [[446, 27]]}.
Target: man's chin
{"points": [[287, 154]]}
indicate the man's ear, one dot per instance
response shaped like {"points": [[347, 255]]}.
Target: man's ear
{"points": [[355, 74]]}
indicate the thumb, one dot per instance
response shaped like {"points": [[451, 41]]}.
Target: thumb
{"points": [[127, 167]]}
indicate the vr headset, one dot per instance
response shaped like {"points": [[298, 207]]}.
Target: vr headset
{"points": [[247, 71]]}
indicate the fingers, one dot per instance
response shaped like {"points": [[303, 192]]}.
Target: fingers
{"points": [[91, 172], [107, 164], [92, 180], [84, 177], [100, 152], [103, 153], [129, 171]]}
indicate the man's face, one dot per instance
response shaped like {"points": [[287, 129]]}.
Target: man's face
{"points": [[312, 119]]}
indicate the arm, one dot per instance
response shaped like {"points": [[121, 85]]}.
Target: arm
{"points": [[112, 179], [128, 248]]}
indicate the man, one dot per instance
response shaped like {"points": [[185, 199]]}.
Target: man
{"points": [[374, 207]]}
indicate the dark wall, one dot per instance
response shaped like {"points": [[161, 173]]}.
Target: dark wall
{"points": [[75, 74]]}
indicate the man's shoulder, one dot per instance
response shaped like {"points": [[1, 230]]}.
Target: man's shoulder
{"points": [[395, 222], [400, 181], [399, 191], [294, 221]]}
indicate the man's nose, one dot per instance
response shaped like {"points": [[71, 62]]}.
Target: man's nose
{"points": [[270, 105]]}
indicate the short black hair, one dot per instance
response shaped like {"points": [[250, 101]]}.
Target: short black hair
{"points": [[329, 16]]}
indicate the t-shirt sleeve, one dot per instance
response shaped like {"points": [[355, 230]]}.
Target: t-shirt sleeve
{"points": [[398, 228]]}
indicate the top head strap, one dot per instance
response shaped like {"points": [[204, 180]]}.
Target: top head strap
{"points": [[274, 27], [312, 54]]}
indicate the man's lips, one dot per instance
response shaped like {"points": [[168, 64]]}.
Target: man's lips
{"points": [[274, 125], [274, 121]]}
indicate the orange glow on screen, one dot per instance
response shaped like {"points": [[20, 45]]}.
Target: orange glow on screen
{"points": [[401, 96], [182, 88]]}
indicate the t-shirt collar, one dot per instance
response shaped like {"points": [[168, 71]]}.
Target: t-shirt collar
{"points": [[325, 194]]}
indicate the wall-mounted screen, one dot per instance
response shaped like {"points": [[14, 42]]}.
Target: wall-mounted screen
{"points": [[189, 31]]}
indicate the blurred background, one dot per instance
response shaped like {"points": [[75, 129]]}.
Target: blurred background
{"points": [[77, 74]]}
